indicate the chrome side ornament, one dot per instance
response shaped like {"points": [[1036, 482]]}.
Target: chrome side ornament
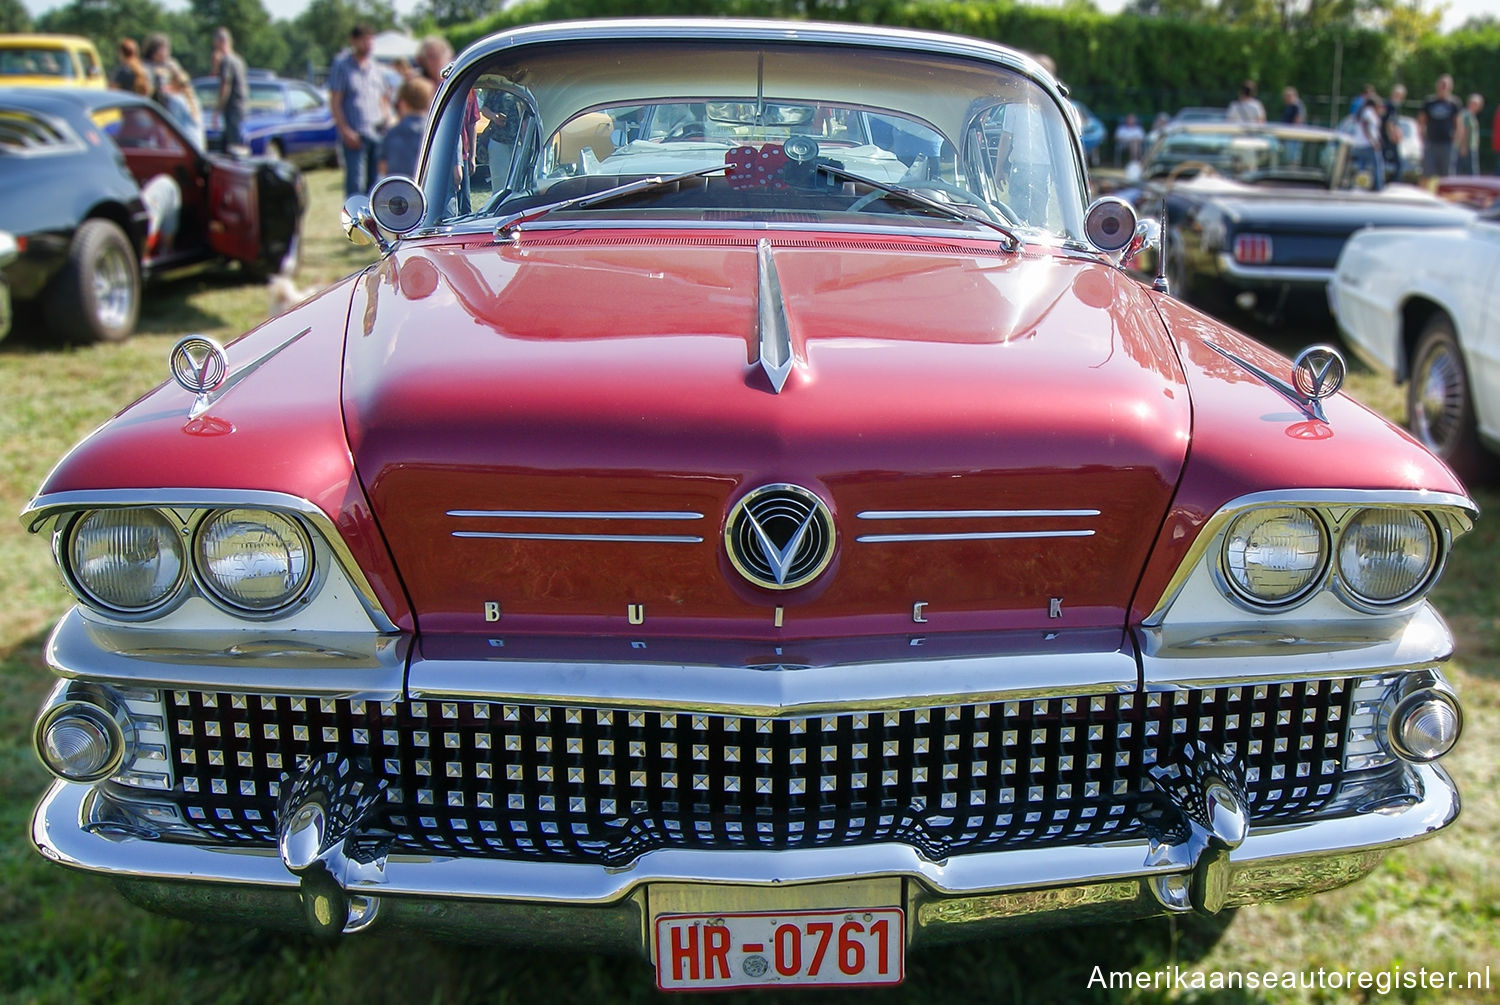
{"points": [[1317, 373], [780, 536]]}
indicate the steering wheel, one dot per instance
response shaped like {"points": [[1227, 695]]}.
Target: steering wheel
{"points": [[690, 130]]}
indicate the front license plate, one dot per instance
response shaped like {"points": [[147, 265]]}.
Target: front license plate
{"points": [[859, 946]]}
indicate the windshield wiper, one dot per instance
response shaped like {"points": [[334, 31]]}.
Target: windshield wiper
{"points": [[951, 210], [506, 227]]}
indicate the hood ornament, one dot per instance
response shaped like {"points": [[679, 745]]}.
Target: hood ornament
{"points": [[1317, 373], [780, 536], [776, 356]]}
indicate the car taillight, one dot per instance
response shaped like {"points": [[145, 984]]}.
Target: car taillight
{"points": [[1252, 249]]}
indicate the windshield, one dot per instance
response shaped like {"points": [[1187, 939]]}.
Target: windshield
{"points": [[1250, 157], [35, 62], [801, 134]]}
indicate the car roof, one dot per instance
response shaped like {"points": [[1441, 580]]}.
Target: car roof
{"points": [[65, 100], [18, 39]]}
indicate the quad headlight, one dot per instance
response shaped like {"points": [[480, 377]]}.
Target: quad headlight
{"points": [[128, 561], [252, 560], [1386, 555], [1274, 557], [139, 562], [1375, 559]]}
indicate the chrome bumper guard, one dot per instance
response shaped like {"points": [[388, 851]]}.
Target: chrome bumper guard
{"points": [[315, 880]]}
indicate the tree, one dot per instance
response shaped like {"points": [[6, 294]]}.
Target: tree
{"points": [[248, 23], [446, 12], [105, 21], [14, 16]]}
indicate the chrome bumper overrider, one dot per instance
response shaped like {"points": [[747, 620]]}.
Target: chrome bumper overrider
{"points": [[610, 908]]}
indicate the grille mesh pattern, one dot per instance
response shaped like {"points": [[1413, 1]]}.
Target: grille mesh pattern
{"points": [[571, 783]]}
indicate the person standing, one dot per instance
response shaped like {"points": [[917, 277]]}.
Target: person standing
{"points": [[171, 87], [1438, 124], [1390, 133], [1247, 109], [234, 90], [130, 74], [401, 147], [432, 56], [1129, 139], [357, 98], [1468, 154], [1293, 111], [1368, 152]]}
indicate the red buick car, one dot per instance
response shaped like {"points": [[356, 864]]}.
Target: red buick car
{"points": [[751, 517]]}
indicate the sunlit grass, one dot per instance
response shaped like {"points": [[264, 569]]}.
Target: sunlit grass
{"points": [[65, 937]]}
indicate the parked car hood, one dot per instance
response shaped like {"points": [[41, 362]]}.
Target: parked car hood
{"points": [[582, 375]]}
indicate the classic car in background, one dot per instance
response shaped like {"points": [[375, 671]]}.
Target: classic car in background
{"points": [[100, 189], [1257, 215], [33, 60], [1424, 306], [810, 554], [1476, 191], [284, 119]]}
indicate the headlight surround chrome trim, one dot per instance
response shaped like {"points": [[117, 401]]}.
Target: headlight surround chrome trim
{"points": [[63, 538], [48, 511], [311, 576], [1226, 580], [1352, 597], [1452, 515]]}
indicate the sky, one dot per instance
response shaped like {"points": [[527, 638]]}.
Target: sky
{"points": [[1458, 10]]}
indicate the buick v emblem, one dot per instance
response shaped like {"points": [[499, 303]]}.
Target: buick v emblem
{"points": [[780, 536], [1318, 372]]}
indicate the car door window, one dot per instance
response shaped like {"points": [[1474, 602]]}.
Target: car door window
{"points": [[302, 101]]}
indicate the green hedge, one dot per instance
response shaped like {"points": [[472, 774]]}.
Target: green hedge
{"points": [[1117, 64]]}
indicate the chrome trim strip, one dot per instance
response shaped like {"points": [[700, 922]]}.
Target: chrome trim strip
{"points": [[62, 830], [1272, 274], [609, 538], [869, 234], [1455, 512], [965, 514], [749, 691], [208, 399], [333, 664], [45, 508], [997, 535], [521, 514], [1197, 656], [771, 321]]}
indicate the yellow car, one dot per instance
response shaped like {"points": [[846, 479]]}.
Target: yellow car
{"points": [[49, 60]]}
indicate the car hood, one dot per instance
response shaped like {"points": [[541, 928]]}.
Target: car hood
{"points": [[553, 433]]}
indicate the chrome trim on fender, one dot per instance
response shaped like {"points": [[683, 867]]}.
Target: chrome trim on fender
{"points": [[972, 514], [521, 514], [207, 399], [749, 691], [966, 514], [608, 538], [994, 535], [64, 830], [43, 510], [331, 664]]}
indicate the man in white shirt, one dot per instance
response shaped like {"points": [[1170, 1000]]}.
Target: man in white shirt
{"points": [[1247, 109]]}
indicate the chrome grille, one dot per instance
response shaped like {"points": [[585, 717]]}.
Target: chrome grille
{"points": [[567, 782]]}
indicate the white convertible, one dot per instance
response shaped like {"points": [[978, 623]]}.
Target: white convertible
{"points": [[1424, 306]]}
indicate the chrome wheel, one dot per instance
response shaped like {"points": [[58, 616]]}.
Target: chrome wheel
{"points": [[1442, 399], [114, 288]]}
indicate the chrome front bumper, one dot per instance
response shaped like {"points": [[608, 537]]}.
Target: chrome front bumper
{"points": [[611, 908]]}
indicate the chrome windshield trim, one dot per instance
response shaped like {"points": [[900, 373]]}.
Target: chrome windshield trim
{"points": [[44, 509], [522, 514], [870, 232], [63, 830], [752, 691], [1455, 514], [351, 665], [964, 514], [994, 535], [605, 538]]}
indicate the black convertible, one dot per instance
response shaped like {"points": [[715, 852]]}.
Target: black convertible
{"points": [[1259, 214], [101, 189]]}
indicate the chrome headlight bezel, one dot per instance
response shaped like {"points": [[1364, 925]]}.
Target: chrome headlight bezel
{"points": [[193, 582], [214, 592], [1228, 583], [1345, 590], [64, 539]]}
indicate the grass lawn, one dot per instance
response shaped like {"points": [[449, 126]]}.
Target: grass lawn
{"points": [[66, 937]]}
